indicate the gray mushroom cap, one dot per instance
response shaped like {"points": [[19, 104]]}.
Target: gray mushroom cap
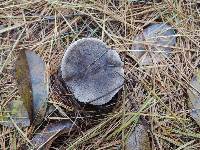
{"points": [[93, 72], [158, 37]]}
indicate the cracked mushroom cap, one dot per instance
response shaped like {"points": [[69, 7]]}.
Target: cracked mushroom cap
{"points": [[158, 38], [92, 71]]}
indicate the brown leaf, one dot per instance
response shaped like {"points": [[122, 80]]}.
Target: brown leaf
{"points": [[158, 38], [18, 113], [44, 139], [139, 139], [39, 85], [23, 81], [30, 76], [194, 97]]}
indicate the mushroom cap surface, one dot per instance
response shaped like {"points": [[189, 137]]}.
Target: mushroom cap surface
{"points": [[158, 38], [92, 71]]}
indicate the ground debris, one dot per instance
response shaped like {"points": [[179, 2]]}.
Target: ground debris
{"points": [[44, 139], [39, 85], [194, 97], [139, 139], [153, 44]]}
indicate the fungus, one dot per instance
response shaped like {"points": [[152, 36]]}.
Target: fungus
{"points": [[153, 44], [92, 71]]}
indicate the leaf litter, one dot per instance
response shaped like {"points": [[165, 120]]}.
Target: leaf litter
{"points": [[32, 85], [194, 97], [116, 23], [153, 44]]}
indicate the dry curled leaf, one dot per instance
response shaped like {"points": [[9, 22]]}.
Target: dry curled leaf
{"points": [[44, 139], [24, 83], [32, 86], [194, 97], [153, 44], [39, 85], [139, 139], [21, 110]]}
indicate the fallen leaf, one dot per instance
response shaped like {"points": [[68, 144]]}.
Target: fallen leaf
{"points": [[38, 82], [24, 84], [194, 97], [32, 86], [18, 113], [44, 139], [39, 85], [139, 139], [153, 44], [196, 115]]}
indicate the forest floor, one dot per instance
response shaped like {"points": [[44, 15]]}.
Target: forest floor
{"points": [[154, 95]]}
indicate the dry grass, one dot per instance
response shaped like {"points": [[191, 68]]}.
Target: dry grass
{"points": [[155, 95]]}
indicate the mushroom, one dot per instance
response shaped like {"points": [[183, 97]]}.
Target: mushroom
{"points": [[92, 71], [153, 44]]}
